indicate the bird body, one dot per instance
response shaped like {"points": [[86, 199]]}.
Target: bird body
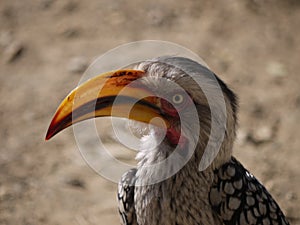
{"points": [[227, 195], [186, 174]]}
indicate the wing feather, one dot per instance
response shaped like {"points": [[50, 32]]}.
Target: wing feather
{"points": [[239, 198]]}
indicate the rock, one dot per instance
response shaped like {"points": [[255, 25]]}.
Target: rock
{"points": [[258, 110], [76, 182], [291, 196], [13, 51], [77, 65], [46, 4], [159, 15], [70, 6], [71, 32], [9, 12], [276, 69], [261, 135], [155, 17]]}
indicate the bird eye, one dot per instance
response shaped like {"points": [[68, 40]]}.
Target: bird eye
{"points": [[177, 99]]}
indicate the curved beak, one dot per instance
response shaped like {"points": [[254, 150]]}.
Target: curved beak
{"points": [[118, 93]]}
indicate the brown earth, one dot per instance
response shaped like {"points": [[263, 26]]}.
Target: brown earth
{"points": [[44, 45]]}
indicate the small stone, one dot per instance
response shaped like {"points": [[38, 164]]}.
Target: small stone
{"points": [[76, 182], [9, 12], [159, 16], [71, 32], [46, 4], [291, 196], [155, 17], [13, 51], [276, 69], [261, 135], [258, 110], [70, 6], [77, 65]]}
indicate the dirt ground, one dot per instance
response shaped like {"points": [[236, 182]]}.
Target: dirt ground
{"points": [[46, 44]]}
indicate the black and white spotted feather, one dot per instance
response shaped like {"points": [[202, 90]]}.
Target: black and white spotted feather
{"points": [[236, 196], [126, 198], [239, 198]]}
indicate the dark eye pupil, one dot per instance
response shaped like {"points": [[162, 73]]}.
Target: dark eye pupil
{"points": [[177, 98]]}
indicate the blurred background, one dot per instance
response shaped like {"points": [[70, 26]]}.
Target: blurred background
{"points": [[45, 46]]}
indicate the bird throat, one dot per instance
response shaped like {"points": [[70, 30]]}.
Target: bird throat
{"points": [[175, 138]]}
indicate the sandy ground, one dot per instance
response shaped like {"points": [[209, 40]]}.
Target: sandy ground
{"points": [[44, 46]]}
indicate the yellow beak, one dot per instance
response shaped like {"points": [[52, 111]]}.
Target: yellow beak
{"points": [[117, 93]]}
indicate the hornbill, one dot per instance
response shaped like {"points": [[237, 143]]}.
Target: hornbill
{"points": [[178, 191]]}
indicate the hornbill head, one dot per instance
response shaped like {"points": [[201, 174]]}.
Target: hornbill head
{"points": [[187, 105]]}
